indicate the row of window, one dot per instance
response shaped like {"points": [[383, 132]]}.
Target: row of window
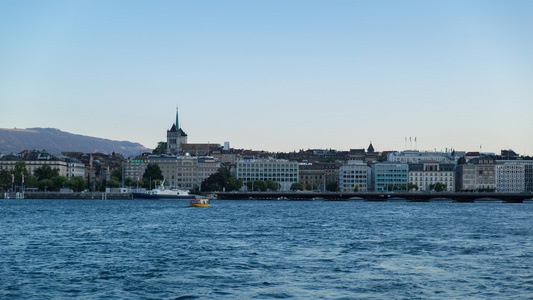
{"points": [[354, 181], [248, 175]]}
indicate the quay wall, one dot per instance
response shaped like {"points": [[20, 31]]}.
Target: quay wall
{"points": [[57, 195]]}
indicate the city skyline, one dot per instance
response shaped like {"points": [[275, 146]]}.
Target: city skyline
{"points": [[274, 75]]}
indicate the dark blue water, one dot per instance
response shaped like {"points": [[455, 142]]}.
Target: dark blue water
{"points": [[109, 249]]}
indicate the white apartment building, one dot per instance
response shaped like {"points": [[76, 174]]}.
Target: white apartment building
{"points": [[424, 175], [34, 160], [75, 168], [354, 176], [415, 156], [283, 172], [528, 169], [510, 178]]}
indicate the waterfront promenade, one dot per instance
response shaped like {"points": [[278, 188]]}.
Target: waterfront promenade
{"points": [[305, 196]]}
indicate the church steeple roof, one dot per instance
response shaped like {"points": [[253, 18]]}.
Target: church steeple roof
{"points": [[177, 120], [173, 128], [370, 148]]}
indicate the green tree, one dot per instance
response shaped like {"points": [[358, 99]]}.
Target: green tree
{"points": [[160, 149], [5, 179], [45, 185], [332, 187], [20, 169], [411, 186], [130, 182], [45, 172], [153, 172], [438, 187], [117, 173], [77, 184], [311, 187], [221, 180], [297, 187], [272, 185], [31, 181], [113, 182], [58, 182], [393, 187], [256, 185], [461, 160]]}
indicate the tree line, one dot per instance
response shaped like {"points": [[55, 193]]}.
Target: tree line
{"points": [[44, 178]]}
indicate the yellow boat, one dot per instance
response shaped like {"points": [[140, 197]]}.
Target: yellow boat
{"points": [[200, 202]]}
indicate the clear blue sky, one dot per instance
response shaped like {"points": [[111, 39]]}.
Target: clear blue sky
{"points": [[274, 75]]}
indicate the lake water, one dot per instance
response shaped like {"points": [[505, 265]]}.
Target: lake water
{"points": [[122, 249]]}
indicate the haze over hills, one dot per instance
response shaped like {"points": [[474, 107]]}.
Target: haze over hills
{"points": [[57, 141]]}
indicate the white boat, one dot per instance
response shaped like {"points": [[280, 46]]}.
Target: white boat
{"points": [[161, 193]]}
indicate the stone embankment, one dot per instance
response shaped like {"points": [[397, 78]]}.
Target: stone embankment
{"points": [[52, 195]]}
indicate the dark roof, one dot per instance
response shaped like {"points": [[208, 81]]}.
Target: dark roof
{"points": [[182, 133], [173, 128]]}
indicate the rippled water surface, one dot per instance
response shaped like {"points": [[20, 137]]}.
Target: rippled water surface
{"points": [[109, 249]]}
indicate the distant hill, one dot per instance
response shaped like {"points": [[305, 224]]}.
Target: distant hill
{"points": [[57, 141]]}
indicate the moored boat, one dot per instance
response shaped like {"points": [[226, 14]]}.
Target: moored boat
{"points": [[162, 193]]}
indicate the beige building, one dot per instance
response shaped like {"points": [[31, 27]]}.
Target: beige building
{"points": [[283, 172], [34, 160], [424, 175], [479, 175], [184, 172]]}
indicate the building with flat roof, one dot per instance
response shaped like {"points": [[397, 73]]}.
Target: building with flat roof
{"points": [[478, 175], [510, 178], [389, 176], [528, 170], [415, 156], [354, 176], [283, 172], [425, 175]]}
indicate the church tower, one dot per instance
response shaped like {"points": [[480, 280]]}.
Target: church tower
{"points": [[175, 138]]}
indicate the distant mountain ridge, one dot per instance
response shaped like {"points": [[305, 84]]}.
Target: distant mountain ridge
{"points": [[56, 141]]}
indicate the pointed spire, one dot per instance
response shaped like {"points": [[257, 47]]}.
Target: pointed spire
{"points": [[177, 122], [370, 148]]}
